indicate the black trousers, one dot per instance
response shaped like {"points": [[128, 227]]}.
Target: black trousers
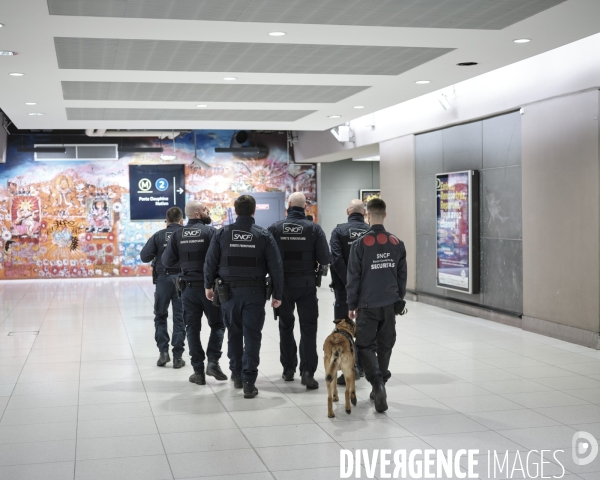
{"points": [[305, 299], [195, 304], [244, 317], [164, 294], [375, 338], [340, 307]]}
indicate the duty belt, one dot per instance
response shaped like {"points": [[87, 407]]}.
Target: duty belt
{"points": [[189, 284], [247, 283], [167, 271]]}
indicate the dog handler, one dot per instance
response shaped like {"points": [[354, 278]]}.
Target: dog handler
{"points": [[165, 292], [302, 245], [188, 247], [376, 285], [239, 257]]}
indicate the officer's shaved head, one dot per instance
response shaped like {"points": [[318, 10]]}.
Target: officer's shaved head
{"points": [[356, 206], [193, 207], [297, 199]]}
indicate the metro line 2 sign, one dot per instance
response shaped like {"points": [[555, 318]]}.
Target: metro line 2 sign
{"points": [[153, 189]]}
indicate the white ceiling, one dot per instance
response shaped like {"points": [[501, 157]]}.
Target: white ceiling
{"points": [[120, 71]]}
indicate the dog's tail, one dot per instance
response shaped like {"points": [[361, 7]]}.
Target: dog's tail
{"points": [[334, 362]]}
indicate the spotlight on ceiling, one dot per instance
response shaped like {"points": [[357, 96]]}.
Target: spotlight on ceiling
{"points": [[229, 79], [343, 133], [7, 53], [30, 103], [277, 34], [422, 82], [358, 107], [16, 74], [36, 114], [443, 99], [202, 105], [334, 116], [522, 40]]}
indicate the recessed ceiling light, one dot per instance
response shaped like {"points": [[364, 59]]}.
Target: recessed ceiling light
{"points": [[201, 106], [7, 53], [16, 74], [422, 82], [30, 103], [358, 107], [36, 114], [1, 25], [230, 79], [334, 116], [467, 64], [277, 34], [522, 40]]}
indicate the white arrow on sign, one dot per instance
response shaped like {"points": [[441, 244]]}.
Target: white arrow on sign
{"points": [[180, 190]]}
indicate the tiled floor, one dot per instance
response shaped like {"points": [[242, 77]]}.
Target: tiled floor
{"points": [[84, 399]]}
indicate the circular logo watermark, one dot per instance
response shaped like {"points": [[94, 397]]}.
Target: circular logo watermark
{"points": [[585, 448]]}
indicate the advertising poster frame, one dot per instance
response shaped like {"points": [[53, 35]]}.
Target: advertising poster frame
{"points": [[447, 229]]}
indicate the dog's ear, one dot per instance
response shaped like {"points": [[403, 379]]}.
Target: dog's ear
{"points": [[338, 320]]}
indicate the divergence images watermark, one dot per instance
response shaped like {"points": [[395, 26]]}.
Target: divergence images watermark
{"points": [[432, 463]]}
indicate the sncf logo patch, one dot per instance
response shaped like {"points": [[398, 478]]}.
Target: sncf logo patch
{"points": [[241, 236], [169, 234], [292, 229], [192, 233], [356, 233]]}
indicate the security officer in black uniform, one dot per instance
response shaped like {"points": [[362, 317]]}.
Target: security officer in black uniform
{"points": [[376, 288], [302, 245], [165, 292], [188, 247], [239, 258], [340, 242]]}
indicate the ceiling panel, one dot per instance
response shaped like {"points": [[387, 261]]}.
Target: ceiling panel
{"points": [[152, 114], [191, 56], [199, 92], [467, 14]]}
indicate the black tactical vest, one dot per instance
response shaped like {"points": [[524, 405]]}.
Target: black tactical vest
{"points": [[243, 252], [296, 241], [192, 245], [163, 237], [349, 232]]}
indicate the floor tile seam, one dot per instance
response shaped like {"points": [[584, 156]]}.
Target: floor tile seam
{"points": [[147, 398], [585, 402], [23, 366], [36, 463], [243, 434]]}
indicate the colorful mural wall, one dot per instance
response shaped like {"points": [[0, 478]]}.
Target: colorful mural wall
{"points": [[63, 219]]}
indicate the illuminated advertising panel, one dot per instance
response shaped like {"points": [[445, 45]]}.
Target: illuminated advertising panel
{"points": [[458, 231]]}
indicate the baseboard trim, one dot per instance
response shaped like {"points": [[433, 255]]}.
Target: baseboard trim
{"points": [[566, 333], [473, 310]]}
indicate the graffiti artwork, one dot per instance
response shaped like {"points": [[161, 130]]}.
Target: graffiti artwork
{"points": [[65, 219]]}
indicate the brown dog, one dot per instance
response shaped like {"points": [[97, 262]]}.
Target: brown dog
{"points": [[340, 354]]}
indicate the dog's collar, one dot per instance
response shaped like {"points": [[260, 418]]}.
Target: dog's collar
{"points": [[348, 336]]}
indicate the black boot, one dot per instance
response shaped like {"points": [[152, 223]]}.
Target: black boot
{"points": [[288, 375], [341, 380], [178, 363], [163, 359], [379, 397], [309, 381], [360, 373], [250, 391], [237, 381], [198, 378], [214, 370]]}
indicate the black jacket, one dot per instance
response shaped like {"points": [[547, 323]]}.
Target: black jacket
{"points": [[340, 252], [171, 256], [270, 258], [376, 270], [153, 248], [317, 248]]}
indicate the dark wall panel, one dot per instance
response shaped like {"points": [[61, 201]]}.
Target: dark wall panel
{"points": [[492, 146]]}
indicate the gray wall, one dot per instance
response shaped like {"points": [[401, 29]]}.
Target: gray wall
{"points": [[492, 146], [339, 183], [398, 190], [561, 199]]}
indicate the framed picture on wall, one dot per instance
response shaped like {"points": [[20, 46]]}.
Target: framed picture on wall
{"points": [[368, 193]]}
